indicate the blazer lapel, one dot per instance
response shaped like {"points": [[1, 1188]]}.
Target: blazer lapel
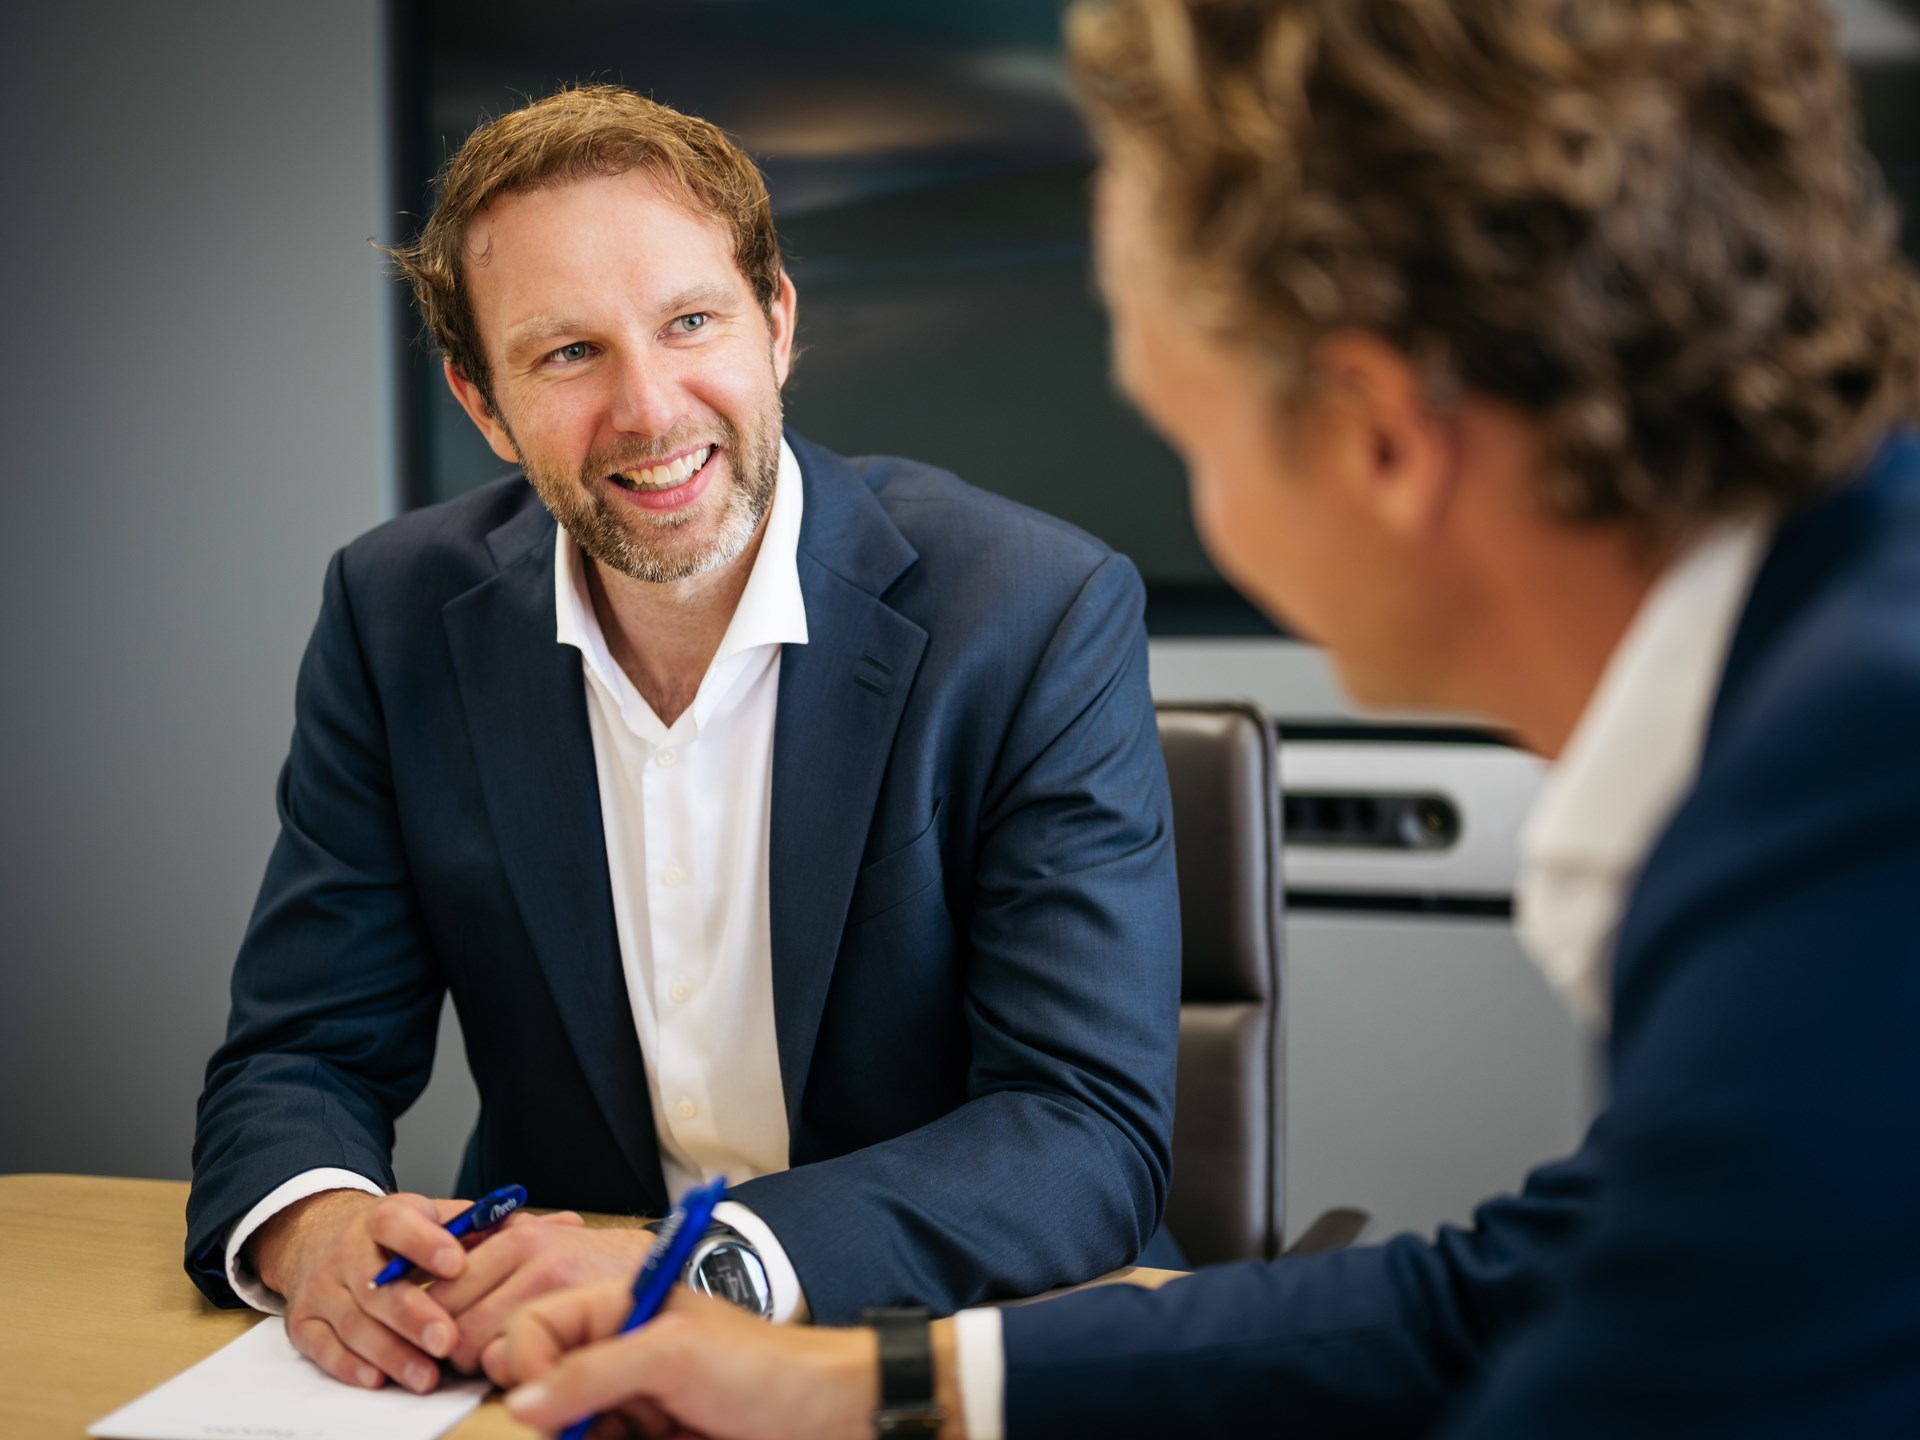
{"points": [[526, 714], [841, 697]]}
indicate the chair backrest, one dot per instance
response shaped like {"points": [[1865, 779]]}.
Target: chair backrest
{"points": [[1228, 1200]]}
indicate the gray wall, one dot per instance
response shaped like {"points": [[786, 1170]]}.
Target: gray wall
{"points": [[1429, 1065], [196, 392]]}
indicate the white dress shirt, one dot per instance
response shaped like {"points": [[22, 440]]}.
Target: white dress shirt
{"points": [[686, 813], [1631, 760]]}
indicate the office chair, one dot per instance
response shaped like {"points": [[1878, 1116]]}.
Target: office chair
{"points": [[1228, 1200]]}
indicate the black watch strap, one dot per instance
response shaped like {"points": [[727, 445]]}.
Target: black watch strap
{"points": [[906, 1373]]}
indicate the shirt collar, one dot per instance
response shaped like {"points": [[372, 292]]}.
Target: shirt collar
{"points": [[771, 612], [1630, 761]]}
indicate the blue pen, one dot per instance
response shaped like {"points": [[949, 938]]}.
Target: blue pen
{"points": [[673, 1246], [485, 1213]]}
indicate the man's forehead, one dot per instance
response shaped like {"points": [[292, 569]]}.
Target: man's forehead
{"points": [[576, 194], [595, 238]]}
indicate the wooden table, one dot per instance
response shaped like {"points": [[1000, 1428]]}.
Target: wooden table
{"points": [[95, 1308]]}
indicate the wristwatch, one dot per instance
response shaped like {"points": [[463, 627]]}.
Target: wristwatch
{"points": [[726, 1266], [906, 1373]]}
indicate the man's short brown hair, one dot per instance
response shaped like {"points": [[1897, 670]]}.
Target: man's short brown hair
{"points": [[572, 135], [1648, 223]]}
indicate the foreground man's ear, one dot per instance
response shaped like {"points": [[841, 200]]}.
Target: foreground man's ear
{"points": [[480, 412], [1386, 440]]}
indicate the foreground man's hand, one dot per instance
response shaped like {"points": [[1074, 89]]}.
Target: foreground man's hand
{"points": [[702, 1366], [320, 1254]]}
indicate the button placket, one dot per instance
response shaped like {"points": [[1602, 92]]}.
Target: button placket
{"points": [[666, 926], [670, 818]]}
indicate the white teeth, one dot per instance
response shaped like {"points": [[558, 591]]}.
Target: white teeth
{"points": [[665, 477]]}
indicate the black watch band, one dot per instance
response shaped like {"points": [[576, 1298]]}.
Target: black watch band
{"points": [[906, 1373]]}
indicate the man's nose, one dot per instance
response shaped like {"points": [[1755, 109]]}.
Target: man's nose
{"points": [[646, 398]]}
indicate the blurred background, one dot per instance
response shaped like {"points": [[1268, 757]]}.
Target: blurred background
{"points": [[210, 383]]}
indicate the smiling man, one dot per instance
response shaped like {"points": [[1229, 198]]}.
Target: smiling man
{"points": [[765, 813]]}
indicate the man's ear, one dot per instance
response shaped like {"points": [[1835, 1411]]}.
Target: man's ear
{"points": [[780, 319], [480, 412], [1395, 449]]}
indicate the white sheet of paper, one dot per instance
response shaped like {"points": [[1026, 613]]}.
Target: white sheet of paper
{"points": [[260, 1388]]}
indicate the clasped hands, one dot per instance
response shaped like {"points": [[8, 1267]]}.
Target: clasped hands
{"points": [[538, 1303], [321, 1253]]}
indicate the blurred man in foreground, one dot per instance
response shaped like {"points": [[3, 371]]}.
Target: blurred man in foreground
{"points": [[1548, 361]]}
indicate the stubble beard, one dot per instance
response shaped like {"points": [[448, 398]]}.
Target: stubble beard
{"points": [[638, 543]]}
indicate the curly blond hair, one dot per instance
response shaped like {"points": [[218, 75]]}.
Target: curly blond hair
{"points": [[1648, 223], [574, 134]]}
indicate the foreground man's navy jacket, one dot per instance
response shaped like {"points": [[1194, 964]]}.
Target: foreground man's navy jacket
{"points": [[975, 928], [1735, 1251]]}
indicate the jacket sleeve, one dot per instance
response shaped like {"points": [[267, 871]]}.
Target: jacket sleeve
{"points": [[1753, 1267], [336, 994], [1055, 1167], [1374, 1341]]}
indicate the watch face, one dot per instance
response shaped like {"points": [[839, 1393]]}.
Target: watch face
{"points": [[731, 1271]]}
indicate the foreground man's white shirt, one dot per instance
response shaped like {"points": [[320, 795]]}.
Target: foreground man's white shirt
{"points": [[1603, 805], [1628, 764], [686, 812]]}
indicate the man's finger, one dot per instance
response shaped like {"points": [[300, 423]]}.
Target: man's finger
{"points": [[626, 1369], [543, 1272], [540, 1332], [374, 1342], [413, 1313], [494, 1361], [416, 1232], [484, 1322], [314, 1338], [487, 1266], [532, 1260]]}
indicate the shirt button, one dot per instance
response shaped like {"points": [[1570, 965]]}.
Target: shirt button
{"points": [[687, 1109], [667, 757], [671, 876], [681, 991]]}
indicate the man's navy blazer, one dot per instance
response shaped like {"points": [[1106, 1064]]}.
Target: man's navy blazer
{"points": [[974, 920], [1735, 1251]]}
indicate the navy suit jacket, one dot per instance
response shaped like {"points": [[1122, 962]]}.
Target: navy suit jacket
{"points": [[1735, 1250], [975, 926]]}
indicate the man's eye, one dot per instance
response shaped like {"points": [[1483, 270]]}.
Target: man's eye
{"points": [[687, 324], [571, 354]]}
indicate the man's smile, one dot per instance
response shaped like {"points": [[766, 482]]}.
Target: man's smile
{"points": [[667, 474], [671, 485]]}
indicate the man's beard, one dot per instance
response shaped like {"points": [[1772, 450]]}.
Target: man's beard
{"points": [[637, 542]]}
